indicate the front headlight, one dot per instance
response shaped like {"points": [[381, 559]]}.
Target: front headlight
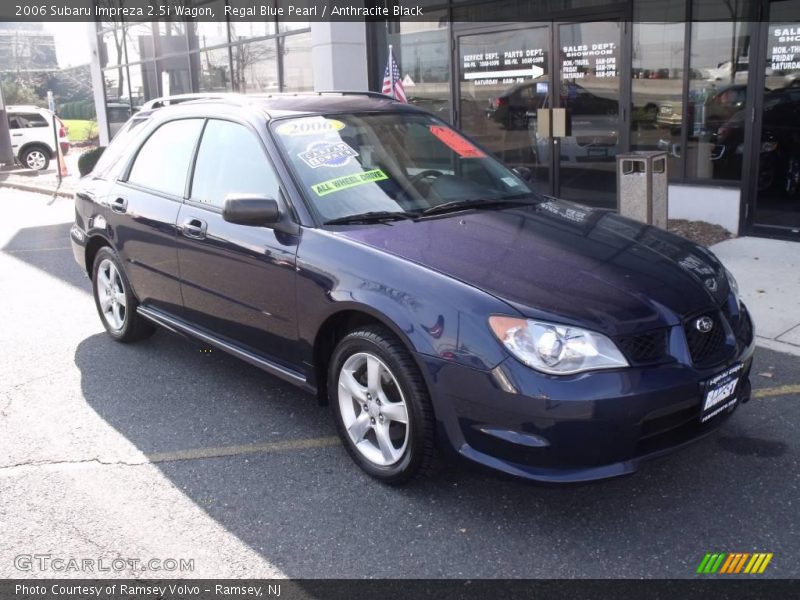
{"points": [[556, 349], [733, 284]]}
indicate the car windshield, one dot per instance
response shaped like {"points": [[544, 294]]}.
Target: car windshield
{"points": [[391, 164]]}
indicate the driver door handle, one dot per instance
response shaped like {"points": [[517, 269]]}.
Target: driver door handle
{"points": [[194, 228]]}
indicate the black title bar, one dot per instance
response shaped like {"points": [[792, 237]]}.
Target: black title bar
{"points": [[114, 11]]}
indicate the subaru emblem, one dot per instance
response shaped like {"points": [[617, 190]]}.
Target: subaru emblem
{"points": [[704, 324], [711, 284]]}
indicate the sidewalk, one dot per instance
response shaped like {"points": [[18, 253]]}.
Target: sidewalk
{"points": [[768, 272], [45, 182]]}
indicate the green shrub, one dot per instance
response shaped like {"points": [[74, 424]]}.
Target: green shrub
{"points": [[89, 159]]}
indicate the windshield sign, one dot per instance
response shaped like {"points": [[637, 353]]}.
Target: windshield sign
{"points": [[390, 163]]}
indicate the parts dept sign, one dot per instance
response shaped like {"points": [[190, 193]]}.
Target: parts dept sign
{"points": [[503, 64]]}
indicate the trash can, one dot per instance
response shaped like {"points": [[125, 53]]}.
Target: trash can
{"points": [[642, 187]]}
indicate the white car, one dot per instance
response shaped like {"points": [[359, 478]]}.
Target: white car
{"points": [[33, 136]]}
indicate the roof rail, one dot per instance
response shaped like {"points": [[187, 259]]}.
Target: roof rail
{"points": [[367, 93], [180, 98], [324, 92]]}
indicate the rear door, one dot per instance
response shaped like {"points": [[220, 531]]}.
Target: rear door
{"points": [[142, 212], [238, 281]]}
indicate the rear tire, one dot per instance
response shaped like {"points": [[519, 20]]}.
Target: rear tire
{"points": [[381, 406], [115, 301]]}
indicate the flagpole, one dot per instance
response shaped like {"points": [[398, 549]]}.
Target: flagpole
{"points": [[391, 70]]}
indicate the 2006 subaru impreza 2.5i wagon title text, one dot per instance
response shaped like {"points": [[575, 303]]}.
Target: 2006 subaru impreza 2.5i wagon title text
{"points": [[369, 253]]}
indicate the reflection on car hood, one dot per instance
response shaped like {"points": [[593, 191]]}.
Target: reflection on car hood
{"points": [[564, 261]]}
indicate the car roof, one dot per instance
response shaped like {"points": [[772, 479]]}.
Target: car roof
{"points": [[286, 104]]}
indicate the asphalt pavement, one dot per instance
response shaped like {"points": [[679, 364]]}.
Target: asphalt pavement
{"points": [[163, 450]]}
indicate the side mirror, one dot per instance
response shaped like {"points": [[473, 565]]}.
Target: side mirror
{"points": [[251, 210], [523, 173]]}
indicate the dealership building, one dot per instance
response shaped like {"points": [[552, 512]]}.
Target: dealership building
{"points": [[714, 84]]}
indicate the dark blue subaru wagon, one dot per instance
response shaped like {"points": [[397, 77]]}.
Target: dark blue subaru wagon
{"points": [[369, 253]]}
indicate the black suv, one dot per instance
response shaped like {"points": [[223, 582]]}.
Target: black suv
{"points": [[369, 253]]}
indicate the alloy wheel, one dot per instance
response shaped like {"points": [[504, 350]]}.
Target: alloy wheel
{"points": [[373, 409], [35, 160], [111, 295]]}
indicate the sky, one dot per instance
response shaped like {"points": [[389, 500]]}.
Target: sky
{"points": [[72, 43]]}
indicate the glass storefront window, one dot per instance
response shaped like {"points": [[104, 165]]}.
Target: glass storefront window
{"points": [[111, 48], [207, 35], [719, 69], [778, 170], [285, 26], [245, 30], [296, 56], [214, 71], [116, 84], [144, 83], [175, 75], [422, 52], [139, 41], [657, 90], [255, 67], [171, 37]]}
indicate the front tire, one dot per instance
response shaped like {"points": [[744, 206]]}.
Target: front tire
{"points": [[381, 406], [115, 301]]}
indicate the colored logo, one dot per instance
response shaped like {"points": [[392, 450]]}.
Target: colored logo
{"points": [[733, 563], [327, 154]]}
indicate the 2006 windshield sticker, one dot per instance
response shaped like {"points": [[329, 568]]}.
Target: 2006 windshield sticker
{"points": [[310, 126], [327, 154], [347, 181]]}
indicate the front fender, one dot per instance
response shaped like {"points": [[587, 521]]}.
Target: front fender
{"points": [[433, 313]]}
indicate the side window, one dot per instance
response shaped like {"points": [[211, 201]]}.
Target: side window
{"points": [[13, 123], [162, 163], [231, 161], [33, 120]]}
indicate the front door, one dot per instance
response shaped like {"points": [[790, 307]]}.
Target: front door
{"points": [[237, 281], [507, 76], [774, 182]]}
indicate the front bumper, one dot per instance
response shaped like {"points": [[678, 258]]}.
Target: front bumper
{"points": [[584, 427]]}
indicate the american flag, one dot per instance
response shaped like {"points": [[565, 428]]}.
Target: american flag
{"points": [[392, 84]]}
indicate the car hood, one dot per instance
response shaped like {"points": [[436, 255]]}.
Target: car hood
{"points": [[563, 261]]}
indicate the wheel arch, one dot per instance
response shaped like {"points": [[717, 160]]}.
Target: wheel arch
{"points": [[35, 144], [93, 245], [337, 325]]}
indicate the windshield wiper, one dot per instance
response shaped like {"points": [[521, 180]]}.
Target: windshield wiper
{"points": [[456, 205], [374, 216]]}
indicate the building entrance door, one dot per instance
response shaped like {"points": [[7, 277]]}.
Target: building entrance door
{"points": [[774, 180], [508, 76]]}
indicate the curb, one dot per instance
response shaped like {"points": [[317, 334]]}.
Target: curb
{"points": [[778, 346], [24, 187]]}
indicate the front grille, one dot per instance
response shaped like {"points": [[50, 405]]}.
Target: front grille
{"points": [[645, 348], [709, 348]]}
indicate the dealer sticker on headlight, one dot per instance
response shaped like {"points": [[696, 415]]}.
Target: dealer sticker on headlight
{"points": [[720, 392]]}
